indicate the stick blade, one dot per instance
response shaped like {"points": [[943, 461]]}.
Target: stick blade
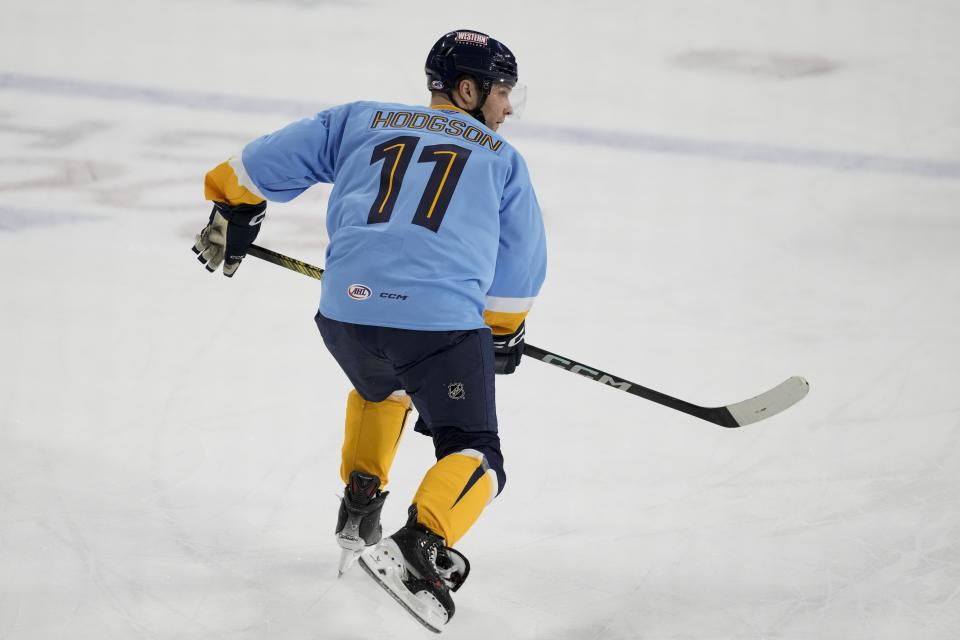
{"points": [[770, 403]]}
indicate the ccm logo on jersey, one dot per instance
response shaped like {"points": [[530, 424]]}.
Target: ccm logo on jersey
{"points": [[393, 296], [359, 291]]}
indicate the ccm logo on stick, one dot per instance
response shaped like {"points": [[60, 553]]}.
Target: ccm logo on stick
{"points": [[593, 374], [359, 291]]}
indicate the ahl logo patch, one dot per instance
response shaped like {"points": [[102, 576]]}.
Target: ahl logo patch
{"points": [[359, 291], [456, 391], [436, 84]]}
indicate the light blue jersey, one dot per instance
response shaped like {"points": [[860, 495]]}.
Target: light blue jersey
{"points": [[432, 219]]}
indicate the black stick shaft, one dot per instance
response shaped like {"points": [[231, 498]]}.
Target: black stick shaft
{"points": [[285, 261], [716, 415]]}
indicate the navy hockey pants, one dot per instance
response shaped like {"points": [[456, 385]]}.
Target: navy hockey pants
{"points": [[447, 374]]}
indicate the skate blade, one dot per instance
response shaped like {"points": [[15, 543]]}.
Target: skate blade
{"points": [[347, 559], [382, 564]]}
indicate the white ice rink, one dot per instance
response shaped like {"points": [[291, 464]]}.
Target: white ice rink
{"points": [[734, 192]]}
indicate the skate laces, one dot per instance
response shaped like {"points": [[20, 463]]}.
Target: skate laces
{"points": [[363, 489], [452, 566], [449, 565]]}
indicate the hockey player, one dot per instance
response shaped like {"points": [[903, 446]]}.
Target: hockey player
{"points": [[436, 254]]}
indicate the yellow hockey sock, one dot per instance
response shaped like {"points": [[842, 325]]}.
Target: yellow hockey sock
{"points": [[454, 492], [371, 435]]}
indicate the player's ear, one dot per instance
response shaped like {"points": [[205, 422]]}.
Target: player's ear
{"points": [[467, 91]]}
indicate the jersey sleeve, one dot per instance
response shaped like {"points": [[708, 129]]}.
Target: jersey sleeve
{"points": [[521, 257], [228, 182], [280, 166]]}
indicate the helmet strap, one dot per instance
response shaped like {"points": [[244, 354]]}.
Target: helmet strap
{"points": [[478, 111]]}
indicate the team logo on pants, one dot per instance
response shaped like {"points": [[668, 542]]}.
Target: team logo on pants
{"points": [[456, 391], [359, 291]]}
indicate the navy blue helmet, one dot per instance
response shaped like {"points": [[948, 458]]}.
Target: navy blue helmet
{"points": [[469, 53]]}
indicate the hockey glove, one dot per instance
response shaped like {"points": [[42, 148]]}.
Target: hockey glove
{"points": [[231, 229], [507, 350]]}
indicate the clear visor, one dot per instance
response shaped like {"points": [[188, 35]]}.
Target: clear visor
{"points": [[518, 100], [515, 94]]}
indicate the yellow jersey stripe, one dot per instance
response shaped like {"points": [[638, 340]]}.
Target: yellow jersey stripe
{"points": [[228, 182], [449, 107], [503, 323]]}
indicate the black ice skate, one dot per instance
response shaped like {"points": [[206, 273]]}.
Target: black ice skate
{"points": [[419, 572], [358, 523]]}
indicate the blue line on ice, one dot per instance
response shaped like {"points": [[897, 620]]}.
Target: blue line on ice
{"points": [[167, 97], [622, 140], [18, 218]]}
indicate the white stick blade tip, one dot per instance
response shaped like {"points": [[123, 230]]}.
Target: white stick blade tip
{"points": [[770, 403]]}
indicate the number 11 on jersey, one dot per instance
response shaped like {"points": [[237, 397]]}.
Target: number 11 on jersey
{"points": [[395, 154]]}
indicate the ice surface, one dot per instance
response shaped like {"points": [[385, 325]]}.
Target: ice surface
{"points": [[734, 193]]}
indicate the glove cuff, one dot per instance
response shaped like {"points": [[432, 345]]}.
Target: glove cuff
{"points": [[245, 215], [510, 340]]}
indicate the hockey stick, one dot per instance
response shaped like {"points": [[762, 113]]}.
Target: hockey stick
{"points": [[770, 403], [767, 404]]}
